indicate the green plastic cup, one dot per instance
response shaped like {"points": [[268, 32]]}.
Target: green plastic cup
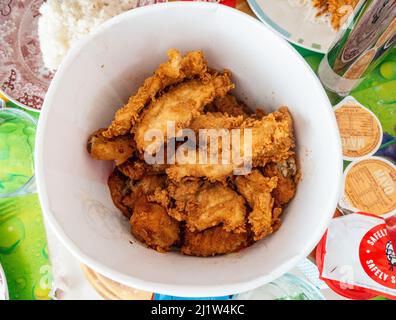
{"points": [[17, 136]]}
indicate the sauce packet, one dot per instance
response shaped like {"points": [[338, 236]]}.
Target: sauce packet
{"points": [[356, 257]]}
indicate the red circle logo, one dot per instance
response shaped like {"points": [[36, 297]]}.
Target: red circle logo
{"points": [[377, 256]]}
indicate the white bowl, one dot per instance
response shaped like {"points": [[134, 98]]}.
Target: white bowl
{"points": [[96, 78]]}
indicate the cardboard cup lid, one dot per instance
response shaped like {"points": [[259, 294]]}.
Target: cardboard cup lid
{"points": [[370, 186], [360, 129]]}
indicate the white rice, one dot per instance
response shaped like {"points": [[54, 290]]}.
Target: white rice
{"points": [[64, 22], [311, 12]]}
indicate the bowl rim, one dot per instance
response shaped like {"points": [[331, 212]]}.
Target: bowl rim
{"points": [[163, 287]]}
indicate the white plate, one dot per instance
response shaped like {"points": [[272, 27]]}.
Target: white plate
{"points": [[295, 23]]}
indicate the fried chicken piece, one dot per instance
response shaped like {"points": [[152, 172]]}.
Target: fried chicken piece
{"points": [[272, 140], [119, 149], [136, 169], [174, 71], [230, 105], [146, 186], [272, 137], [256, 189], [119, 187], [215, 120], [152, 225], [180, 105], [286, 173], [161, 197], [208, 205], [183, 194], [212, 241], [190, 168]]}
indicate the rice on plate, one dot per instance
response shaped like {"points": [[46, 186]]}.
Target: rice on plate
{"points": [[63, 23]]}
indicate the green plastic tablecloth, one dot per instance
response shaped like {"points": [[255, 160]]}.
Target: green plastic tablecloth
{"points": [[23, 247]]}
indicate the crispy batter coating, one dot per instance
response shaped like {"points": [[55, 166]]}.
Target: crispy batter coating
{"points": [[146, 186], [183, 194], [210, 205], [230, 105], [215, 120], [272, 140], [152, 225], [272, 137], [174, 71], [212, 242], [257, 189], [180, 105], [136, 169], [119, 187], [286, 172], [119, 149]]}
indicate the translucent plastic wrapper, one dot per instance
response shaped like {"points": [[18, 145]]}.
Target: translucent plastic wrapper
{"points": [[356, 257]]}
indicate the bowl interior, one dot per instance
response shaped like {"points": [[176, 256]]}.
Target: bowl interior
{"points": [[97, 78]]}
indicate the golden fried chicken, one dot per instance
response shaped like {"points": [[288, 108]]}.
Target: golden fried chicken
{"points": [[118, 149], [136, 169], [119, 187], [286, 172], [212, 242], [272, 137], [219, 195], [256, 189], [174, 71], [179, 105], [215, 120], [191, 168], [272, 140], [230, 105], [152, 225], [146, 186], [207, 205], [183, 194]]}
